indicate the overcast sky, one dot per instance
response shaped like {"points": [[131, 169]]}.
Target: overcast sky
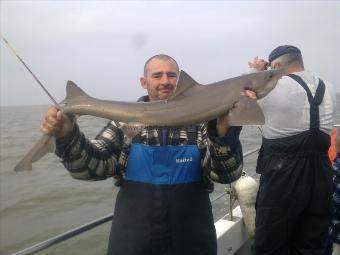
{"points": [[102, 45]]}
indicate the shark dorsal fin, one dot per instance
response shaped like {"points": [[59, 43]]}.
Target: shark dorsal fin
{"points": [[72, 90], [184, 83]]}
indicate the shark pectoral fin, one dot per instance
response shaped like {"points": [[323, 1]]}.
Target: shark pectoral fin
{"points": [[131, 129], [246, 112], [45, 144]]}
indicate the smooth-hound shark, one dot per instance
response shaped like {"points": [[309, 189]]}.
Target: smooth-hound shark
{"points": [[191, 103]]}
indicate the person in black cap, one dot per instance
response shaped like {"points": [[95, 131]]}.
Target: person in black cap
{"points": [[293, 207]]}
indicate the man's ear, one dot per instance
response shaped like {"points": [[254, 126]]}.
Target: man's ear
{"points": [[143, 82]]}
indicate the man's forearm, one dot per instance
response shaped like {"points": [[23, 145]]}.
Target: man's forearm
{"points": [[90, 159]]}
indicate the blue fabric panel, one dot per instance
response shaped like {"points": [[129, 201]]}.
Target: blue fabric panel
{"points": [[164, 164]]}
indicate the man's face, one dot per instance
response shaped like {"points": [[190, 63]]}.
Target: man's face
{"points": [[160, 79]]}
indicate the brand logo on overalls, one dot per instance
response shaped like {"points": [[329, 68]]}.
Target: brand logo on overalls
{"points": [[183, 160]]}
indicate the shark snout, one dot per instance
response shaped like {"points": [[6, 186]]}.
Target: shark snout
{"points": [[270, 79]]}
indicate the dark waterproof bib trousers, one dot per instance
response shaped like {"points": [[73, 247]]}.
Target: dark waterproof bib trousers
{"points": [[294, 200], [162, 206]]}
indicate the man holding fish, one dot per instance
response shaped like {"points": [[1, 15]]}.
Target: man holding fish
{"points": [[164, 174]]}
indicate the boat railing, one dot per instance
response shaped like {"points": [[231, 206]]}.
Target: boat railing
{"points": [[99, 221]]}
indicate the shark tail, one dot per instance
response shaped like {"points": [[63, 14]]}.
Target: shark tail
{"points": [[45, 145]]}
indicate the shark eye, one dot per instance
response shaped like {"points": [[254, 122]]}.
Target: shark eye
{"points": [[268, 75]]}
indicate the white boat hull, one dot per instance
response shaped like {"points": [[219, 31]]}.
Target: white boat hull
{"points": [[232, 236]]}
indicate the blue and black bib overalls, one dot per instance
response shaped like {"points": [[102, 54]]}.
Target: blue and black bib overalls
{"points": [[162, 206], [294, 200]]}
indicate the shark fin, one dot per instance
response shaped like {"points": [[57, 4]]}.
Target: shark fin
{"points": [[246, 112], [130, 130], [184, 83], [45, 144], [72, 91]]}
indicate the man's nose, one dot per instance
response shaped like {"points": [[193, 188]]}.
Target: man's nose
{"points": [[165, 79]]}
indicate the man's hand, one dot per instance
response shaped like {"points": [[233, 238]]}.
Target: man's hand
{"points": [[222, 125], [251, 94], [258, 64], [56, 123]]}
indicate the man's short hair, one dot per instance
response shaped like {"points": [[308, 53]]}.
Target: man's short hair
{"points": [[286, 55], [282, 50], [161, 57]]}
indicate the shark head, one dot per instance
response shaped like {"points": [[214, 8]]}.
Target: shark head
{"points": [[269, 79]]}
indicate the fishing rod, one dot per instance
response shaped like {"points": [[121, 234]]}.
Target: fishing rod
{"points": [[35, 77]]}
